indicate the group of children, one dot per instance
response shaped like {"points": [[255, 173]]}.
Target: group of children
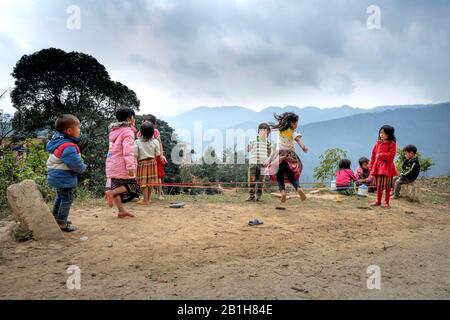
{"points": [[380, 173], [135, 166]]}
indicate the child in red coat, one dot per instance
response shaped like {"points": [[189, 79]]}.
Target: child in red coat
{"points": [[382, 166]]}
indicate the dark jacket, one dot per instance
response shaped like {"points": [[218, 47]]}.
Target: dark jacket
{"points": [[64, 162], [411, 169]]}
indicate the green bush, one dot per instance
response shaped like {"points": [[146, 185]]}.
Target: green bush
{"points": [[15, 168]]}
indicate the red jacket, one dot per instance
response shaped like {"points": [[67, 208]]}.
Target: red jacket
{"points": [[384, 164]]}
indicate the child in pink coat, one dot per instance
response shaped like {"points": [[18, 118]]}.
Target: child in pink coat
{"points": [[121, 164], [345, 178]]}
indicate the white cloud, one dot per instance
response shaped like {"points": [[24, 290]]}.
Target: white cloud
{"points": [[186, 53]]}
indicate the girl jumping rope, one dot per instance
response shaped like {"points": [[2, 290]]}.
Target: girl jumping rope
{"points": [[284, 161]]}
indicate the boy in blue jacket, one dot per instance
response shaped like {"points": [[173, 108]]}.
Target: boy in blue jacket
{"points": [[63, 166]]}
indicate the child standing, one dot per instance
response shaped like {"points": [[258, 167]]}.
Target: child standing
{"points": [[410, 169], [63, 166], [161, 159], [284, 161], [260, 150], [345, 178], [121, 163], [146, 148], [382, 166]]}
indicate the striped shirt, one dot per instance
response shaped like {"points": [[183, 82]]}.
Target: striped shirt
{"points": [[259, 151]]}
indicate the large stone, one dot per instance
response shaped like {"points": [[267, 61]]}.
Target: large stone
{"points": [[31, 211], [410, 192]]}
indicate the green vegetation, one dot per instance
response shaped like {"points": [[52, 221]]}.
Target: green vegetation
{"points": [[22, 234], [329, 161]]}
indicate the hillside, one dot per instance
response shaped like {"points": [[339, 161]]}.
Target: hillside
{"points": [[240, 117], [427, 127]]}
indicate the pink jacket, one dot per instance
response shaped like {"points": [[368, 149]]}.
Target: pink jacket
{"points": [[120, 156], [359, 173], [344, 178]]}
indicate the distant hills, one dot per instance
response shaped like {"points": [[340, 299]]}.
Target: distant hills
{"points": [[352, 129], [240, 117]]}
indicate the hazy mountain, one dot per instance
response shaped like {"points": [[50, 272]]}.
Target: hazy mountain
{"points": [[426, 126], [240, 117]]}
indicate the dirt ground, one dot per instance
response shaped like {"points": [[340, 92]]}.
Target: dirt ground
{"points": [[318, 249]]}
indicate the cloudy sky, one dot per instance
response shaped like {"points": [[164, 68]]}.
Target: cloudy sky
{"points": [[181, 54]]}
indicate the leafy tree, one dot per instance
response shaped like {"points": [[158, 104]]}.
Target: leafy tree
{"points": [[329, 161], [51, 82]]}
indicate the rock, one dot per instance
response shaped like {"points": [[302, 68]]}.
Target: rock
{"points": [[30, 209], [410, 191]]}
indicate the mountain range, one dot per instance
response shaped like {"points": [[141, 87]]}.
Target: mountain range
{"points": [[352, 129]]}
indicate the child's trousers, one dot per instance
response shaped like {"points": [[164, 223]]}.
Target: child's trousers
{"points": [[255, 180], [63, 202], [398, 182], [283, 170]]}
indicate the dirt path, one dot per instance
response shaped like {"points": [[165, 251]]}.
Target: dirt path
{"points": [[319, 249]]}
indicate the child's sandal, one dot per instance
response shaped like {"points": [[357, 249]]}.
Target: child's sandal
{"points": [[68, 228]]}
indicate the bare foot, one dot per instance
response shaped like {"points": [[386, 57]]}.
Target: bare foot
{"points": [[283, 196], [375, 204], [301, 194], [109, 198], [122, 215]]}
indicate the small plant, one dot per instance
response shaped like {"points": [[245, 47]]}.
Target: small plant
{"points": [[22, 234], [329, 161]]}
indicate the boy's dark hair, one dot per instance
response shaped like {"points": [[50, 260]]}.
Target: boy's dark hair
{"points": [[147, 131], [410, 148], [264, 126], [151, 118], [363, 160], [284, 120], [344, 164], [65, 121], [123, 114], [389, 131]]}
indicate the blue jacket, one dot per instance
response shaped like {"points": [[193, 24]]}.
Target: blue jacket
{"points": [[64, 163]]}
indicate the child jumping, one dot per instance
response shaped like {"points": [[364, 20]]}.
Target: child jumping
{"points": [[63, 166], [259, 150], [146, 148], [284, 161], [382, 166], [121, 163]]}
